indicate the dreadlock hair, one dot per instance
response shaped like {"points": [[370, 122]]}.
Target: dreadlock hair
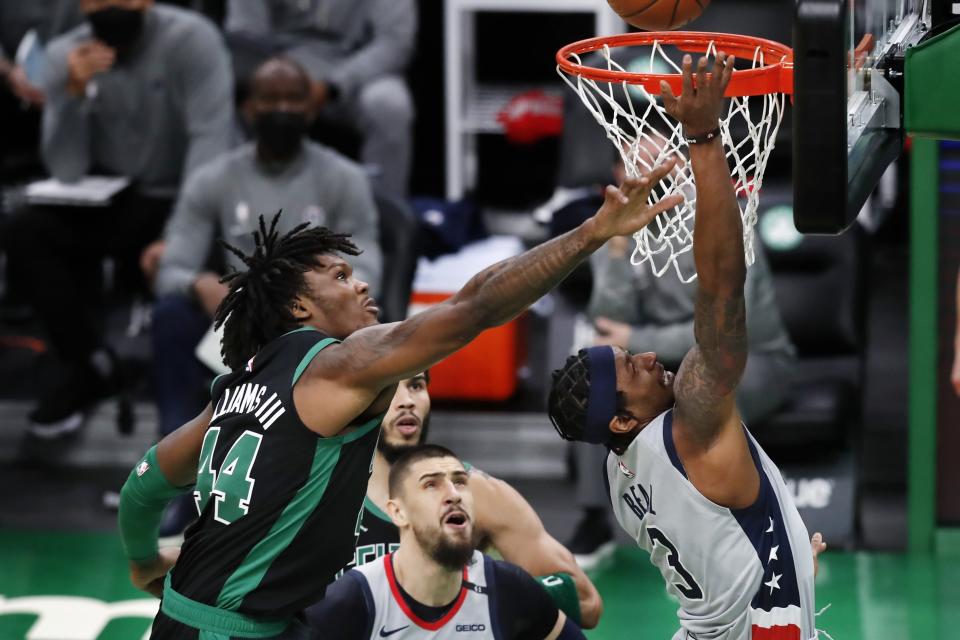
{"points": [[257, 308], [569, 394]]}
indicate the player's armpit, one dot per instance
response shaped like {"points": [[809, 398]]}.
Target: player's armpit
{"points": [[179, 452], [505, 518]]}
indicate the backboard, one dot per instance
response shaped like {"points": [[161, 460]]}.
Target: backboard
{"points": [[847, 113]]}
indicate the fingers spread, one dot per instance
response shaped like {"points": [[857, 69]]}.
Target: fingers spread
{"points": [[702, 73], [666, 203], [727, 72], [614, 195], [662, 169], [716, 78], [687, 75], [666, 94]]}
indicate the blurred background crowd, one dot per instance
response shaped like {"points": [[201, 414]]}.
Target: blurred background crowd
{"points": [[215, 112]]}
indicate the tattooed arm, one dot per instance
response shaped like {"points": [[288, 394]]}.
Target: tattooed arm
{"points": [[355, 371], [707, 381]]}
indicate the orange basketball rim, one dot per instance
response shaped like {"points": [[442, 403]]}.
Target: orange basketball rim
{"points": [[774, 75]]}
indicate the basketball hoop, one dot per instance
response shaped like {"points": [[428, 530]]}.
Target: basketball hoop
{"points": [[644, 134]]}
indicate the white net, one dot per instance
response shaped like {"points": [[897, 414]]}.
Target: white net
{"points": [[644, 135]]}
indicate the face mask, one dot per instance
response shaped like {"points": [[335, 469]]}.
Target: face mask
{"points": [[116, 27], [280, 132]]}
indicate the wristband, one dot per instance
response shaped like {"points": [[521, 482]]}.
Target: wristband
{"points": [[562, 589], [703, 137], [142, 500]]}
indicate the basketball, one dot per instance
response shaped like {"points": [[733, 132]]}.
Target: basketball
{"points": [[658, 15]]}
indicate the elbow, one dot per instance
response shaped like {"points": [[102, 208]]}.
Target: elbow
{"points": [[484, 317], [476, 315], [477, 318]]}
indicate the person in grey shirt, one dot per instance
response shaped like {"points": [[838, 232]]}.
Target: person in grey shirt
{"points": [[143, 92], [633, 309], [137, 91], [223, 199], [47, 18], [356, 52]]}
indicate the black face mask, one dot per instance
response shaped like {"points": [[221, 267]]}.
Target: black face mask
{"points": [[116, 27], [280, 132]]}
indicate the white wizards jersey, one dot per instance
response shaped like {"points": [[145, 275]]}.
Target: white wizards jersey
{"points": [[739, 574], [469, 618]]}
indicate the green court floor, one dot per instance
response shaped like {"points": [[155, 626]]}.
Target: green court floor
{"points": [[57, 586]]}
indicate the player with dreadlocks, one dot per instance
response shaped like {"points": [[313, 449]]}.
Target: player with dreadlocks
{"points": [[280, 459], [259, 298]]}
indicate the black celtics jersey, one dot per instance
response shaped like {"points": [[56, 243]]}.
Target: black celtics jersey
{"points": [[378, 535], [279, 505]]}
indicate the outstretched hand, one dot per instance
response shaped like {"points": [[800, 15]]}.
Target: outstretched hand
{"points": [[625, 209], [699, 105]]}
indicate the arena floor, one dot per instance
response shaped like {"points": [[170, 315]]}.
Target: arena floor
{"points": [[872, 596]]}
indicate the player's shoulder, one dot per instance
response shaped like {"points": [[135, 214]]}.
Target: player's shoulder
{"points": [[509, 579], [302, 344], [369, 570], [654, 437], [649, 454]]}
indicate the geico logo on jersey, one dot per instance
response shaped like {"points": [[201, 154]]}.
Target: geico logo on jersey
{"points": [[471, 627], [74, 618], [810, 493]]}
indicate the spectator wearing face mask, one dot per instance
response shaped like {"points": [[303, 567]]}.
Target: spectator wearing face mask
{"points": [[222, 200], [356, 53], [140, 91]]}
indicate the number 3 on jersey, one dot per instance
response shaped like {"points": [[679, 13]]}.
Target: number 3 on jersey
{"points": [[688, 585], [232, 485]]}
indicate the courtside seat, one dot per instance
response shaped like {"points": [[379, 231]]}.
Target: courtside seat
{"points": [[819, 282]]}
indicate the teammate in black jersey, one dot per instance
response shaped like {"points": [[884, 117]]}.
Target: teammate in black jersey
{"points": [[503, 520], [435, 585], [281, 456]]}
